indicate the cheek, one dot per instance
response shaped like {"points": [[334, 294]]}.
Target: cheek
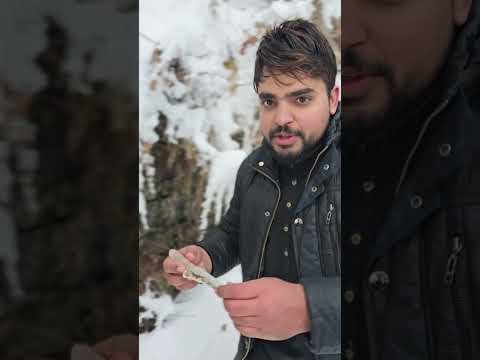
{"points": [[265, 123], [314, 122], [414, 57]]}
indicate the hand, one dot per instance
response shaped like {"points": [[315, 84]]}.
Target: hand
{"points": [[122, 347], [173, 270], [267, 308]]}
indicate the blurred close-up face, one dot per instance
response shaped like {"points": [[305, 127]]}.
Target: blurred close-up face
{"points": [[294, 113], [392, 50]]}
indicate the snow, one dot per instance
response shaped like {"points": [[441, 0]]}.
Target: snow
{"points": [[331, 9], [195, 326], [219, 189]]}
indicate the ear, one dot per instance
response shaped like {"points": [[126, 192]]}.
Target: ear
{"points": [[333, 100], [461, 10]]}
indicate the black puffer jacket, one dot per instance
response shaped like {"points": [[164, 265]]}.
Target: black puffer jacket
{"points": [[242, 234], [421, 290]]}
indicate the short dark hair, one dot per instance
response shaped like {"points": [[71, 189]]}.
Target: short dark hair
{"points": [[295, 48]]}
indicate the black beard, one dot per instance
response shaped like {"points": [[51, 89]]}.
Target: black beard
{"points": [[291, 160], [406, 109], [408, 113]]}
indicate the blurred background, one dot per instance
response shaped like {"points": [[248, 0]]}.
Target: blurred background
{"points": [[68, 174], [198, 119]]}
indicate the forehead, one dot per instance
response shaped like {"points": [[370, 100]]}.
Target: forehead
{"points": [[280, 84]]}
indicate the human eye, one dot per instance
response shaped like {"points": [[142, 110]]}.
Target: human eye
{"points": [[302, 100], [267, 103]]}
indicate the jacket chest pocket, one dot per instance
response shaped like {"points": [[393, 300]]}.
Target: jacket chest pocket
{"points": [[327, 226]]}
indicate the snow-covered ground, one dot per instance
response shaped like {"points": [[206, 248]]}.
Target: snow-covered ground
{"points": [[195, 326], [196, 67]]}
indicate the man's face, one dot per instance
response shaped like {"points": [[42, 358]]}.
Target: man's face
{"points": [[294, 113], [392, 50]]}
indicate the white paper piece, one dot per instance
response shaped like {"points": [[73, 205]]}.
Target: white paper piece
{"points": [[194, 272]]}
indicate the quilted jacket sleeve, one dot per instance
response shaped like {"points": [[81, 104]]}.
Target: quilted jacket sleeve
{"points": [[324, 305], [221, 242]]}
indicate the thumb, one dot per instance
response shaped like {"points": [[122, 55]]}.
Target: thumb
{"points": [[191, 254], [192, 257]]}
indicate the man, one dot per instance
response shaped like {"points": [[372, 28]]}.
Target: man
{"points": [[283, 223], [411, 181]]}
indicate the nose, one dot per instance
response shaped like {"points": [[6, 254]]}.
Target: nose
{"points": [[284, 115], [353, 26]]}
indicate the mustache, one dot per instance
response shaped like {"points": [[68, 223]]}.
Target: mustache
{"points": [[351, 58], [284, 130]]}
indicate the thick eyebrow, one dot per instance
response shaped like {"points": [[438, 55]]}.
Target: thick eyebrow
{"points": [[300, 92], [305, 91], [265, 96]]}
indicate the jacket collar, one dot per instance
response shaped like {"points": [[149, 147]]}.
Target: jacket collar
{"points": [[442, 147], [440, 156]]}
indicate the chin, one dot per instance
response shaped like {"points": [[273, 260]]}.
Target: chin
{"points": [[287, 153], [287, 157], [362, 116]]}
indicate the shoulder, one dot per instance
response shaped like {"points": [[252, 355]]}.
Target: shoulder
{"points": [[245, 170], [260, 153]]}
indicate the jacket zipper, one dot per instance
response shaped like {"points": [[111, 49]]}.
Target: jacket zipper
{"points": [[437, 111], [329, 213], [453, 260], [315, 164], [304, 189], [335, 249], [457, 298], [249, 340]]}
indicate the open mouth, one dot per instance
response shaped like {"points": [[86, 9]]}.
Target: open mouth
{"points": [[356, 84], [285, 139]]}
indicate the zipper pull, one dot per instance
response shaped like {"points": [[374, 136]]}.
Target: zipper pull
{"points": [[453, 260], [329, 213]]}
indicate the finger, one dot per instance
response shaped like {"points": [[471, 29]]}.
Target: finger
{"points": [[176, 280], [246, 290], [191, 257], [170, 266], [180, 282], [241, 307], [188, 285], [191, 254], [249, 321], [248, 331], [173, 278]]}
